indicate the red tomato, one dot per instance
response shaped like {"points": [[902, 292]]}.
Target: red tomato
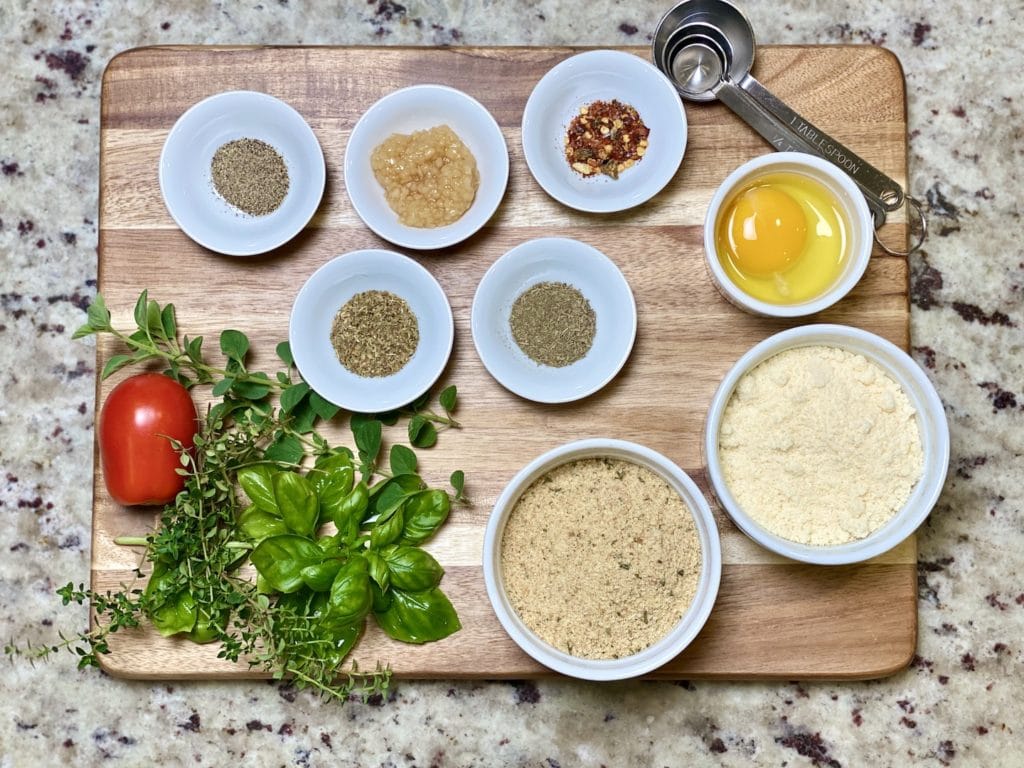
{"points": [[139, 415]]}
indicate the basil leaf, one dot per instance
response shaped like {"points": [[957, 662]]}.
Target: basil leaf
{"points": [[448, 398], [381, 598], [222, 386], [416, 424], [424, 514], [411, 568], [333, 489], [391, 494], [337, 457], [387, 531], [168, 322], [297, 502], [378, 569], [320, 576], [350, 599], [257, 525], [176, 615], [280, 560], [348, 514], [418, 617], [403, 460], [258, 483]]}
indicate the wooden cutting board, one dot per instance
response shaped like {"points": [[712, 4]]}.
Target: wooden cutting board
{"points": [[774, 618]]}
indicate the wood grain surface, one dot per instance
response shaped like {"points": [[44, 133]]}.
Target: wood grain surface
{"points": [[773, 618]]}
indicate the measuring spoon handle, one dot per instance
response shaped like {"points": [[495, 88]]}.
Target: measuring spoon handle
{"points": [[774, 131], [878, 188]]}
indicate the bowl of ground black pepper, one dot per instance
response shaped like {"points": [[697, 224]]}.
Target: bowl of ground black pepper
{"points": [[604, 131], [602, 559], [371, 331], [553, 320], [241, 173]]}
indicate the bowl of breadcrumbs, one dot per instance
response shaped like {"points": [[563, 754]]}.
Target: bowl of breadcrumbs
{"points": [[602, 559]]}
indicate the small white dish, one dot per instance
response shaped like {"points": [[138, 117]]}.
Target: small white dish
{"points": [[557, 260], [187, 185], [329, 289], [581, 80], [418, 108], [931, 420], [681, 635], [850, 198]]}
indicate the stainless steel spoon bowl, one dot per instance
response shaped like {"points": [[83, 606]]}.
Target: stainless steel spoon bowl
{"points": [[706, 48]]}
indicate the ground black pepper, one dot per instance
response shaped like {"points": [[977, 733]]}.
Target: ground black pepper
{"points": [[251, 175], [375, 334], [553, 323]]}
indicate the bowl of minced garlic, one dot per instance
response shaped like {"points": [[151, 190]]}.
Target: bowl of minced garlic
{"points": [[602, 559], [826, 444]]}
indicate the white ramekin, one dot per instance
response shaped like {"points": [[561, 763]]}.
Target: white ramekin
{"points": [[850, 198], [931, 421], [688, 626]]}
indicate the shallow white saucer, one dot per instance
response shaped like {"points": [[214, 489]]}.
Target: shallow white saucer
{"points": [[418, 108], [581, 80], [328, 289], [187, 185], [559, 260]]}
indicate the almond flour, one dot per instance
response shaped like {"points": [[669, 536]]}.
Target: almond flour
{"points": [[820, 446], [601, 558]]}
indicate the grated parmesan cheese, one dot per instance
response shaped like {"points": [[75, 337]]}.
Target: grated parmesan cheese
{"points": [[820, 446]]}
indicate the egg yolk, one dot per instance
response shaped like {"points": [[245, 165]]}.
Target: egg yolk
{"points": [[767, 231]]}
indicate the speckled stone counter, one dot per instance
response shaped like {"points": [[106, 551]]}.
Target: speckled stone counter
{"points": [[959, 702]]}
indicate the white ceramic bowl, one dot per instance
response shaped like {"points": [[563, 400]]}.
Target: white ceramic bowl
{"points": [[603, 75], [187, 185], [861, 231], [559, 260], [688, 626], [931, 421], [328, 289], [414, 109]]}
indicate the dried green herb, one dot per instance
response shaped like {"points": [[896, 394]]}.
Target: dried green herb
{"points": [[375, 334], [553, 323], [251, 175]]}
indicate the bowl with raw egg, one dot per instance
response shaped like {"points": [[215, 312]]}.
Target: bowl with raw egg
{"points": [[787, 235]]}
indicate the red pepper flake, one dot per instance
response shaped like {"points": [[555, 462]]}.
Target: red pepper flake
{"points": [[606, 137]]}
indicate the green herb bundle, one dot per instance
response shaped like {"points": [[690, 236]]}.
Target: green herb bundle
{"points": [[333, 537]]}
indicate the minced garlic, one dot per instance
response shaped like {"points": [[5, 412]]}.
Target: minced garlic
{"points": [[820, 446], [601, 558]]}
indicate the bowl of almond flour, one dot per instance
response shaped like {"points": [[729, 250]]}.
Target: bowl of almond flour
{"points": [[602, 559], [826, 444]]}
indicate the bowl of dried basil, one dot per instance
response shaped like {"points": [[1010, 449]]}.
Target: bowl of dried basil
{"points": [[371, 331], [553, 320], [241, 173]]}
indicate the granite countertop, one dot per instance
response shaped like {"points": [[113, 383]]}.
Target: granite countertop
{"points": [[959, 702]]}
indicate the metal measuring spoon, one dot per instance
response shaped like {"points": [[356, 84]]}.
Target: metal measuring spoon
{"points": [[706, 47]]}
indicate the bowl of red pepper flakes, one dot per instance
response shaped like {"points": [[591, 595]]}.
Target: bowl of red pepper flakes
{"points": [[604, 131]]}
